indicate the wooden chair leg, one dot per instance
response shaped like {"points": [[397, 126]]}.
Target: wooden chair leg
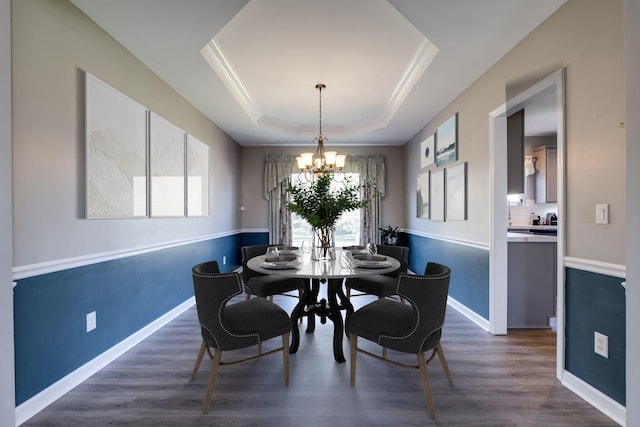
{"points": [[260, 347], [384, 352], [353, 344], [348, 293], [203, 347], [217, 356], [285, 357], [425, 383], [443, 362]]}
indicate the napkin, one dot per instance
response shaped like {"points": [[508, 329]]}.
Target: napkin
{"points": [[370, 257], [280, 258]]}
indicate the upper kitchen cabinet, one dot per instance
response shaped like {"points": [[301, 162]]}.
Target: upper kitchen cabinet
{"points": [[546, 174], [515, 153]]}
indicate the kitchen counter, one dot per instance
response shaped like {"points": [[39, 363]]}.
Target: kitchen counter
{"points": [[532, 233], [533, 227], [531, 238], [531, 280]]}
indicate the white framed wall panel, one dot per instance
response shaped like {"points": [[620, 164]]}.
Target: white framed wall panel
{"points": [[116, 153], [197, 177], [166, 168]]}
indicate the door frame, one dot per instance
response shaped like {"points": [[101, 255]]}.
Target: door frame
{"points": [[7, 370], [498, 268]]}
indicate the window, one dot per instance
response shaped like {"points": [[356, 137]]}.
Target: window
{"points": [[347, 227]]}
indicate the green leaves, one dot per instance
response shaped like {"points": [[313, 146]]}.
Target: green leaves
{"points": [[321, 206]]}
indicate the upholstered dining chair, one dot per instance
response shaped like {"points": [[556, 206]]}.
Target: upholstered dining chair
{"points": [[266, 285], [381, 285], [225, 327], [413, 328]]}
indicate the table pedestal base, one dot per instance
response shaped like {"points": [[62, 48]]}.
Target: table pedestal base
{"points": [[309, 307]]}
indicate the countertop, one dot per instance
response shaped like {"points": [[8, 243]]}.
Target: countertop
{"points": [[532, 227], [530, 237]]}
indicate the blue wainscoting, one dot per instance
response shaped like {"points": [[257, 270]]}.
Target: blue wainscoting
{"points": [[469, 266], [255, 238], [596, 302], [127, 294]]}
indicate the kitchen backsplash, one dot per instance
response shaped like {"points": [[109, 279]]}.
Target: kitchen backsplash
{"points": [[521, 214]]}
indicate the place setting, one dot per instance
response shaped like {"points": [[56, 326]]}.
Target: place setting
{"points": [[365, 257], [281, 258], [370, 261]]}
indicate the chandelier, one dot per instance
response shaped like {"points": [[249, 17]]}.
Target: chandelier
{"points": [[322, 161]]}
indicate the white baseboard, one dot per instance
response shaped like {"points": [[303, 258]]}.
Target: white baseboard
{"points": [[468, 313], [596, 398], [56, 390]]}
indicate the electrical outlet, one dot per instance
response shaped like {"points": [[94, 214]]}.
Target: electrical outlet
{"points": [[91, 321], [224, 260], [601, 344]]}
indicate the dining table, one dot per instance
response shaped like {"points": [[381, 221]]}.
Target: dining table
{"points": [[331, 273]]}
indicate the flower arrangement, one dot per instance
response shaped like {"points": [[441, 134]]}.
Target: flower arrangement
{"points": [[321, 206]]}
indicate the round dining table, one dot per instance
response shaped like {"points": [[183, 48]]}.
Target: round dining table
{"points": [[319, 272]]}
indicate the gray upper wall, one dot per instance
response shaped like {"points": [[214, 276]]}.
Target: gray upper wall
{"points": [[256, 213], [53, 44], [584, 37]]}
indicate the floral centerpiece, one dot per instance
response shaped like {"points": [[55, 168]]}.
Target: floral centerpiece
{"points": [[321, 206]]}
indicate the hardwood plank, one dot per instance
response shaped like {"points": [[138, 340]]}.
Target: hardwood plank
{"points": [[499, 381]]}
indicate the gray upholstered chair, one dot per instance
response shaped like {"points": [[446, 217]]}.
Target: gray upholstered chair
{"points": [[409, 328], [227, 327], [381, 285], [265, 285]]}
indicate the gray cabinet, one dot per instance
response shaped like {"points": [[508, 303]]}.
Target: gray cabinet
{"points": [[531, 284], [547, 174], [515, 153]]}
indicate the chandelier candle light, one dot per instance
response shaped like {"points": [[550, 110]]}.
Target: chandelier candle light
{"points": [[330, 161]]}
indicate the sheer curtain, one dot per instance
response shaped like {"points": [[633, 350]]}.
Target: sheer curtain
{"points": [[277, 173], [372, 178]]}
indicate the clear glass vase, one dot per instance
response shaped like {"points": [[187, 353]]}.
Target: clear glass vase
{"points": [[324, 244]]}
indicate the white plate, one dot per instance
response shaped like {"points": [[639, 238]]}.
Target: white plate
{"points": [[371, 264], [280, 265], [287, 251], [358, 252]]}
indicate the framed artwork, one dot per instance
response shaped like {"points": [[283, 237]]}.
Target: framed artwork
{"points": [[197, 177], [427, 154], [422, 195], [437, 195], [447, 142], [456, 185], [166, 168], [116, 153]]}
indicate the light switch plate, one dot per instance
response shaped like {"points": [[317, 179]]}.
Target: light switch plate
{"points": [[602, 214]]}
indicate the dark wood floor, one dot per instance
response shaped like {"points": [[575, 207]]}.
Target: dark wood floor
{"points": [[499, 381]]}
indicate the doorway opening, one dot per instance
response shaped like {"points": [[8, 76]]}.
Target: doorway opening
{"points": [[551, 87]]}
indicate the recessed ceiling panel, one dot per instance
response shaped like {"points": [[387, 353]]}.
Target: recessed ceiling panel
{"points": [[272, 54]]}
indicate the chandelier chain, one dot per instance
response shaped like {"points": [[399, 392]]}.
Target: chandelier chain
{"points": [[323, 161], [320, 86]]}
